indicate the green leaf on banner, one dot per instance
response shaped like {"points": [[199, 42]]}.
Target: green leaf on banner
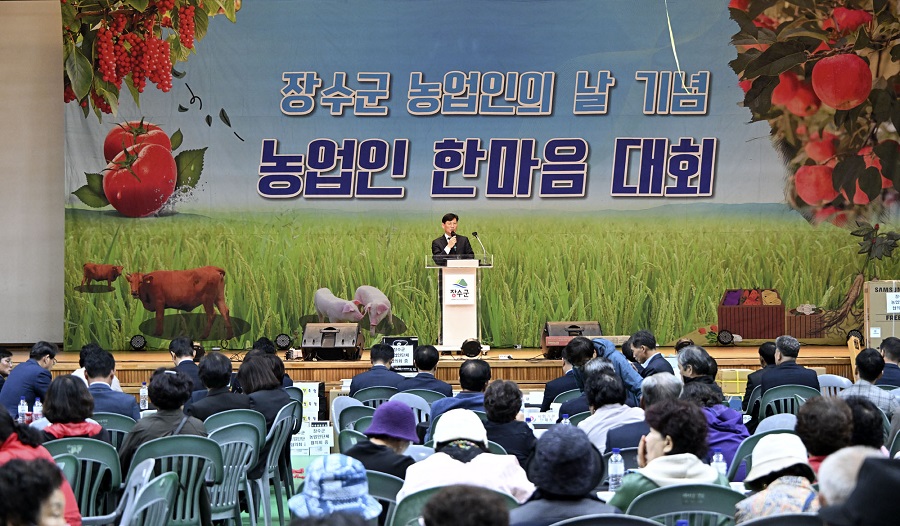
{"points": [[881, 105], [889, 156], [870, 182], [759, 98], [95, 182], [177, 138], [201, 25], [181, 108], [209, 120], [862, 40], [90, 197], [109, 92], [224, 117], [178, 74], [190, 166], [757, 7], [780, 57], [140, 5], [846, 173], [80, 72], [68, 17], [135, 94]]}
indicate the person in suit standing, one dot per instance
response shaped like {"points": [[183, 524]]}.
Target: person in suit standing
{"points": [[643, 346], [29, 379], [450, 245], [182, 351], [380, 375], [890, 350], [767, 362], [215, 372], [99, 371], [787, 370], [426, 359], [575, 354]]}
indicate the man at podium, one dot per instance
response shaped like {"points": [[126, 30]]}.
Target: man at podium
{"points": [[450, 245]]}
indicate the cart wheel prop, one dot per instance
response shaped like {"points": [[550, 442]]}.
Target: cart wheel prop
{"points": [[725, 337]]}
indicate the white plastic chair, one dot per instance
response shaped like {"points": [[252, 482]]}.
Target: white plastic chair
{"points": [[832, 384], [417, 403], [340, 403], [783, 421]]}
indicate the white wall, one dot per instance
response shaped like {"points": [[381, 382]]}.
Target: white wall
{"points": [[31, 172]]}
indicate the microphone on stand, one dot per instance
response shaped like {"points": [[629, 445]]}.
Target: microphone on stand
{"points": [[483, 250]]}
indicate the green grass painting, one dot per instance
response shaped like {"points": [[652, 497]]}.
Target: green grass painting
{"points": [[665, 270]]}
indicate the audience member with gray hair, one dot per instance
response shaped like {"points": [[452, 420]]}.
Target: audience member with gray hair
{"points": [[787, 371], [696, 365], [825, 425], [580, 405], [656, 388], [606, 396], [839, 472]]}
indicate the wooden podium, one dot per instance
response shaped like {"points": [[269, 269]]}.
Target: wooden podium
{"points": [[459, 300]]}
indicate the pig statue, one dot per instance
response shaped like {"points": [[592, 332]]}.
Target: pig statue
{"points": [[336, 309], [375, 303]]}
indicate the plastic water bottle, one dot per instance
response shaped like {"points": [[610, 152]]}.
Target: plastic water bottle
{"points": [[38, 411], [718, 462], [565, 420], [616, 470], [529, 421], [23, 408], [683, 522], [144, 394]]}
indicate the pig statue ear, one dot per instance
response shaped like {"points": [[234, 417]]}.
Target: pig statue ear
{"points": [[381, 309], [357, 303], [350, 308]]}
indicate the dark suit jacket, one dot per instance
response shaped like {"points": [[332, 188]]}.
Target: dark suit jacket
{"points": [[27, 379], [891, 375], [425, 381], [377, 376], [626, 435], [657, 364], [789, 373], [754, 379], [108, 401], [190, 368], [268, 402], [574, 406], [218, 400], [462, 250], [554, 387]]}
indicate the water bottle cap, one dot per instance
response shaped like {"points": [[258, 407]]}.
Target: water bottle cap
{"points": [[22, 399], [565, 415], [143, 383], [717, 450], [616, 450], [528, 419]]}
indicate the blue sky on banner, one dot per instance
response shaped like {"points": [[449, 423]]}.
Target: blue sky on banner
{"points": [[241, 68]]}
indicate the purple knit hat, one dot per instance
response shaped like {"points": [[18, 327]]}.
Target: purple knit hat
{"points": [[394, 419]]}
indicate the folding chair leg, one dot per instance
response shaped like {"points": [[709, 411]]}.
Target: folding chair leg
{"points": [[251, 508]]}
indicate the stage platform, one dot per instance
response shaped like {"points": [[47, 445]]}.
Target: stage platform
{"points": [[527, 367]]}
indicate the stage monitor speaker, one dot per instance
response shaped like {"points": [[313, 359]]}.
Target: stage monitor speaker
{"points": [[557, 334], [331, 341]]}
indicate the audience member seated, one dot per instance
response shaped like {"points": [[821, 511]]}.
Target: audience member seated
{"points": [[696, 365], [81, 371], [868, 424], [890, 351], [782, 477], [766, 362], [392, 430], [67, 408], [461, 457], [426, 359], [215, 373], [100, 371], [266, 395], [630, 377], [725, 426], [19, 442], [168, 391], [869, 366], [6, 364], [503, 404], [643, 346], [574, 355], [580, 404], [654, 389], [334, 484], [182, 351], [261, 347], [31, 494], [30, 378], [840, 471], [670, 454], [606, 398], [380, 375], [874, 500], [681, 344], [825, 425], [462, 505], [566, 468], [787, 371], [474, 376]]}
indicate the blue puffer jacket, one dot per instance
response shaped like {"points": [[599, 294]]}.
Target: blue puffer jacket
{"points": [[631, 378]]}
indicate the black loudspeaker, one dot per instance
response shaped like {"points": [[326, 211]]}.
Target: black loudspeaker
{"points": [[557, 334], [331, 341]]}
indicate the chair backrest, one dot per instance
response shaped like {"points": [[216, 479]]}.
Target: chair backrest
{"points": [[895, 445], [793, 519], [429, 395], [419, 405], [195, 460], [606, 519], [362, 424], [239, 452], [351, 414], [785, 399], [565, 396], [696, 503], [629, 455], [384, 487], [785, 422], [409, 509], [138, 477], [117, 425], [745, 450], [888, 387], [296, 394], [496, 448], [99, 471], [578, 417], [238, 416], [886, 424], [337, 407], [69, 466], [832, 384], [375, 396], [152, 504], [419, 452], [755, 394], [279, 435], [349, 438]]}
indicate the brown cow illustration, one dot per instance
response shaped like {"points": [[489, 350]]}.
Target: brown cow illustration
{"points": [[100, 272], [183, 290]]}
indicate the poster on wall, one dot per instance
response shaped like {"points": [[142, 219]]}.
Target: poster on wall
{"points": [[237, 170]]}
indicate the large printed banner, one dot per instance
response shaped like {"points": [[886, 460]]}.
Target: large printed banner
{"points": [[235, 171]]}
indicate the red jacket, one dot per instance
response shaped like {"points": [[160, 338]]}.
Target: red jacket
{"points": [[13, 449]]}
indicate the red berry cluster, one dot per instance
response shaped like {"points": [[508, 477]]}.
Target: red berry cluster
{"points": [[186, 26], [164, 6], [100, 103], [106, 56], [69, 94], [159, 67]]}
